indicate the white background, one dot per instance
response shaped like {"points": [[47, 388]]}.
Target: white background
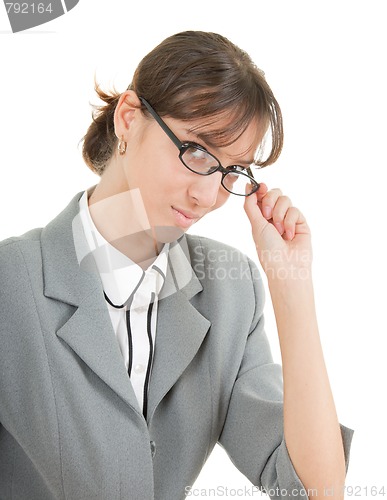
{"points": [[326, 63]]}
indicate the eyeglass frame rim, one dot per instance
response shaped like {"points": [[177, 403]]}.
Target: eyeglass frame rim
{"points": [[180, 145]]}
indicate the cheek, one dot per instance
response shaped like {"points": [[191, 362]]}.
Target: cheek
{"points": [[223, 196]]}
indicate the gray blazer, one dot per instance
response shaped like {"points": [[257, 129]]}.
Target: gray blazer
{"points": [[70, 425]]}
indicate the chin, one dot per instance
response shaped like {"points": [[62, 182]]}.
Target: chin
{"points": [[167, 234]]}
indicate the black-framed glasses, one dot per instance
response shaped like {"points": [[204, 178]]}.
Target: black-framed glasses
{"points": [[236, 179]]}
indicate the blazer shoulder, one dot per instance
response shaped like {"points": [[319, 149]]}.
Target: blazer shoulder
{"points": [[206, 244], [202, 247], [16, 251], [229, 273], [31, 235], [213, 257], [11, 244]]}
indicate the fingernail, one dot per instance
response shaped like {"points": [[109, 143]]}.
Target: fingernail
{"points": [[289, 234]]}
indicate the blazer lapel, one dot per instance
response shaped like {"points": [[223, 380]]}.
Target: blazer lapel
{"points": [[181, 328], [90, 334], [70, 276]]}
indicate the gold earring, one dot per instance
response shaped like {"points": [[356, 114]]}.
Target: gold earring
{"points": [[122, 146]]}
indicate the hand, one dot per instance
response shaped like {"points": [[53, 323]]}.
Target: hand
{"points": [[281, 234]]}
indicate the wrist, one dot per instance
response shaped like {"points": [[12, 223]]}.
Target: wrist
{"points": [[287, 275], [294, 308], [292, 294]]}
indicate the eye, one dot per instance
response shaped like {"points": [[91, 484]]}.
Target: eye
{"points": [[198, 159], [196, 154]]}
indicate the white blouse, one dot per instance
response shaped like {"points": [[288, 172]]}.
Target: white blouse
{"points": [[132, 298]]}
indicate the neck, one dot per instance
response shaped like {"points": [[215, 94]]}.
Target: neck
{"points": [[119, 215]]}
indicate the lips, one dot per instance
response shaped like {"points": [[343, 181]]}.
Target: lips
{"points": [[184, 218], [187, 214]]}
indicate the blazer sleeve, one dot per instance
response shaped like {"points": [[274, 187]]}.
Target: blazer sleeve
{"points": [[253, 434]]}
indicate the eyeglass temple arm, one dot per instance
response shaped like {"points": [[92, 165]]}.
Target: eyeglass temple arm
{"points": [[163, 125], [250, 173]]}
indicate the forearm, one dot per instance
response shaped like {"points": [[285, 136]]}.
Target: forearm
{"points": [[311, 428]]}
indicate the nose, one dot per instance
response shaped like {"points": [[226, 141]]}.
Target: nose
{"points": [[205, 189]]}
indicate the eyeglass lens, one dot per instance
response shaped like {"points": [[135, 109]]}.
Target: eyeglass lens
{"points": [[202, 162]]}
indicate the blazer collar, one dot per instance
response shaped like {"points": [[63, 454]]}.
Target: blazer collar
{"points": [[69, 269], [70, 276], [64, 278]]}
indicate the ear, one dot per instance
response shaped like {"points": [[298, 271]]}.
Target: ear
{"points": [[128, 106]]}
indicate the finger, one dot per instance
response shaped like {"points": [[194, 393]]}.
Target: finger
{"points": [[280, 209], [292, 217], [269, 201]]}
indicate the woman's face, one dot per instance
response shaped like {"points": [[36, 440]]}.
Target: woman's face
{"points": [[174, 197]]}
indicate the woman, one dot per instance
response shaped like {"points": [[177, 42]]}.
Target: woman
{"points": [[129, 349]]}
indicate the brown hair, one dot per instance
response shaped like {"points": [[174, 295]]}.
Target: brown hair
{"points": [[189, 76]]}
